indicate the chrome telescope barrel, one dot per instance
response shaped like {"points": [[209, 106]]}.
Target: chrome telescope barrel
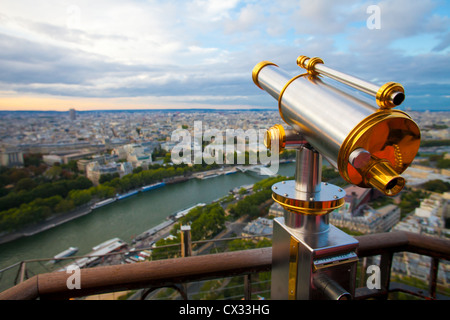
{"points": [[389, 95], [340, 127]]}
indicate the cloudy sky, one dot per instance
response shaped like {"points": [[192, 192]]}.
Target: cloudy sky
{"points": [[134, 54]]}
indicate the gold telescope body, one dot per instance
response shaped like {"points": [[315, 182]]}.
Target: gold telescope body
{"points": [[368, 141]]}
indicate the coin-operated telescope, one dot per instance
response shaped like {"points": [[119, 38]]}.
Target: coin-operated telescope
{"points": [[331, 114]]}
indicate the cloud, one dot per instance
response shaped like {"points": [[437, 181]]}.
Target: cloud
{"points": [[212, 10], [246, 20], [324, 17], [203, 51], [444, 43]]}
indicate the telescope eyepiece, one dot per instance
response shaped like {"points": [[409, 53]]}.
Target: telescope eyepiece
{"points": [[397, 98], [380, 175], [393, 183]]}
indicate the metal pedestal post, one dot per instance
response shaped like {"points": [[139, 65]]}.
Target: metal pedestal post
{"points": [[311, 258]]}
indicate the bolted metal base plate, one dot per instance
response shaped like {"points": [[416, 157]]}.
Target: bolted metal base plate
{"points": [[328, 199]]}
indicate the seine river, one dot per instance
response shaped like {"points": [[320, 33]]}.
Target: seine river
{"points": [[126, 218]]}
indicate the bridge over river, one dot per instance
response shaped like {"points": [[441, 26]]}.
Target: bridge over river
{"points": [[260, 169]]}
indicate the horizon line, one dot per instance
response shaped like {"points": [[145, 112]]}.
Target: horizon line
{"points": [[149, 109], [190, 109]]}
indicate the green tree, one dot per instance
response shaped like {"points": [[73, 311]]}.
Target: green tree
{"points": [[53, 173], [434, 143], [205, 221], [15, 175], [443, 163], [137, 170], [80, 183], [25, 184], [32, 159], [411, 200], [242, 191], [102, 191], [288, 154], [6, 219], [242, 244], [72, 166], [80, 197], [168, 252], [106, 177], [437, 186], [246, 207], [50, 202], [65, 205], [167, 158], [266, 184]]}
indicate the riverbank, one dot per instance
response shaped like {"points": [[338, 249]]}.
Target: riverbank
{"points": [[85, 209], [47, 224]]}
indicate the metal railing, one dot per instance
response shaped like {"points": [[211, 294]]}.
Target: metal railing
{"points": [[385, 245], [178, 271]]}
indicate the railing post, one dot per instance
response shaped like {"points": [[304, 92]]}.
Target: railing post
{"points": [[363, 272], [385, 269], [22, 273], [433, 277], [186, 243], [186, 251], [248, 287]]}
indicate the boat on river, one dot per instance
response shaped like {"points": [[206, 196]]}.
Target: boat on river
{"points": [[126, 195], [66, 253], [184, 212], [209, 176], [98, 252], [153, 186], [103, 203]]}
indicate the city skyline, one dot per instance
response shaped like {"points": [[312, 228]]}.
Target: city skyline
{"points": [[200, 54]]}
